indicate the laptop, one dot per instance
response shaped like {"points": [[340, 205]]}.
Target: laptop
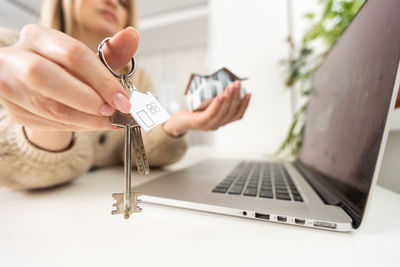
{"points": [[330, 183]]}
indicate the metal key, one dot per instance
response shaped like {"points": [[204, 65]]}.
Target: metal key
{"points": [[120, 119], [138, 148], [127, 202]]}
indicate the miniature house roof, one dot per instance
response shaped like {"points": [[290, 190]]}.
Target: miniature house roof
{"points": [[230, 74]]}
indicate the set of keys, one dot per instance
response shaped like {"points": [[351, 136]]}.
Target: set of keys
{"points": [[127, 202]]}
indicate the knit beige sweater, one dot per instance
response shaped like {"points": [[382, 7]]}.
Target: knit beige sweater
{"points": [[24, 166]]}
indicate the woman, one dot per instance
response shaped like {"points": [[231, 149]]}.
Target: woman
{"points": [[56, 96]]}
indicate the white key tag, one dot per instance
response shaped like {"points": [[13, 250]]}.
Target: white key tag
{"points": [[147, 111]]}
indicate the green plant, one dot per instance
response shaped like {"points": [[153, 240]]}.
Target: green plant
{"points": [[324, 30]]}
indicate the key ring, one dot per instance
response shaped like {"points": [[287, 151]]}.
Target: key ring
{"points": [[103, 59]]}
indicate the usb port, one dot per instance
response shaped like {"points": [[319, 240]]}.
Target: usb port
{"points": [[281, 218], [299, 221], [262, 216]]}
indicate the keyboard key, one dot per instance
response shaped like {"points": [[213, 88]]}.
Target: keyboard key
{"points": [[297, 198], [280, 187], [283, 196], [250, 192], [266, 189], [220, 189], [295, 193], [266, 194], [236, 190], [283, 191]]}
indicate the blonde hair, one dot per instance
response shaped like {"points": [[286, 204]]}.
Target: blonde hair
{"points": [[57, 14]]}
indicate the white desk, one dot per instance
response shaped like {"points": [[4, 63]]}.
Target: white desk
{"points": [[72, 226]]}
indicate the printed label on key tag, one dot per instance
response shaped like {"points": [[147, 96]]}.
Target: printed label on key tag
{"points": [[147, 111]]}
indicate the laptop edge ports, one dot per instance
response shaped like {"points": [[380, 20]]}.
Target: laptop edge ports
{"points": [[281, 218], [262, 216]]}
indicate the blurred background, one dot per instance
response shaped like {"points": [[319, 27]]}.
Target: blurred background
{"points": [[180, 37], [250, 37]]}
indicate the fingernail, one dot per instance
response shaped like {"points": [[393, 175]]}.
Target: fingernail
{"points": [[122, 103], [220, 98], [106, 110], [237, 84]]}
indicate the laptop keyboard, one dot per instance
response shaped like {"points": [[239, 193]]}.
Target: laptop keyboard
{"points": [[262, 179]]}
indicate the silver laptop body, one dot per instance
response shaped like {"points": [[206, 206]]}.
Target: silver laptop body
{"points": [[345, 135]]}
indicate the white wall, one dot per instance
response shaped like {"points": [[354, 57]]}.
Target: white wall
{"points": [[15, 15], [389, 173], [248, 36]]}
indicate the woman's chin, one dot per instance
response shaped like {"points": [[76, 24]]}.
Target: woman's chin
{"points": [[106, 29]]}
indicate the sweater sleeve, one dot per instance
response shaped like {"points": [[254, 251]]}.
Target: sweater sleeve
{"points": [[24, 166], [161, 148]]}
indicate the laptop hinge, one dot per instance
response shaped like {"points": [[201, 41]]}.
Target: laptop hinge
{"points": [[326, 192], [328, 196]]}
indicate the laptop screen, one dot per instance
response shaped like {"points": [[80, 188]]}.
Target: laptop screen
{"points": [[347, 112]]}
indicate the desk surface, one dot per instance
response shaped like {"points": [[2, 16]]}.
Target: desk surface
{"points": [[72, 226]]}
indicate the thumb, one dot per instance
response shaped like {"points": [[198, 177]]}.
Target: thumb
{"points": [[119, 50]]}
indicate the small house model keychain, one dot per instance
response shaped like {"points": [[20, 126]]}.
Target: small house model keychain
{"points": [[201, 89]]}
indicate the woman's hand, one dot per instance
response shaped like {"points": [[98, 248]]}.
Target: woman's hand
{"points": [[223, 109], [51, 83]]}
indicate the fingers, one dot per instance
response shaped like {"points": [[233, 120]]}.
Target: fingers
{"points": [[121, 48], [51, 110], [210, 118], [80, 61], [243, 107], [235, 103], [201, 121], [48, 79], [34, 122], [216, 120], [228, 109]]}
